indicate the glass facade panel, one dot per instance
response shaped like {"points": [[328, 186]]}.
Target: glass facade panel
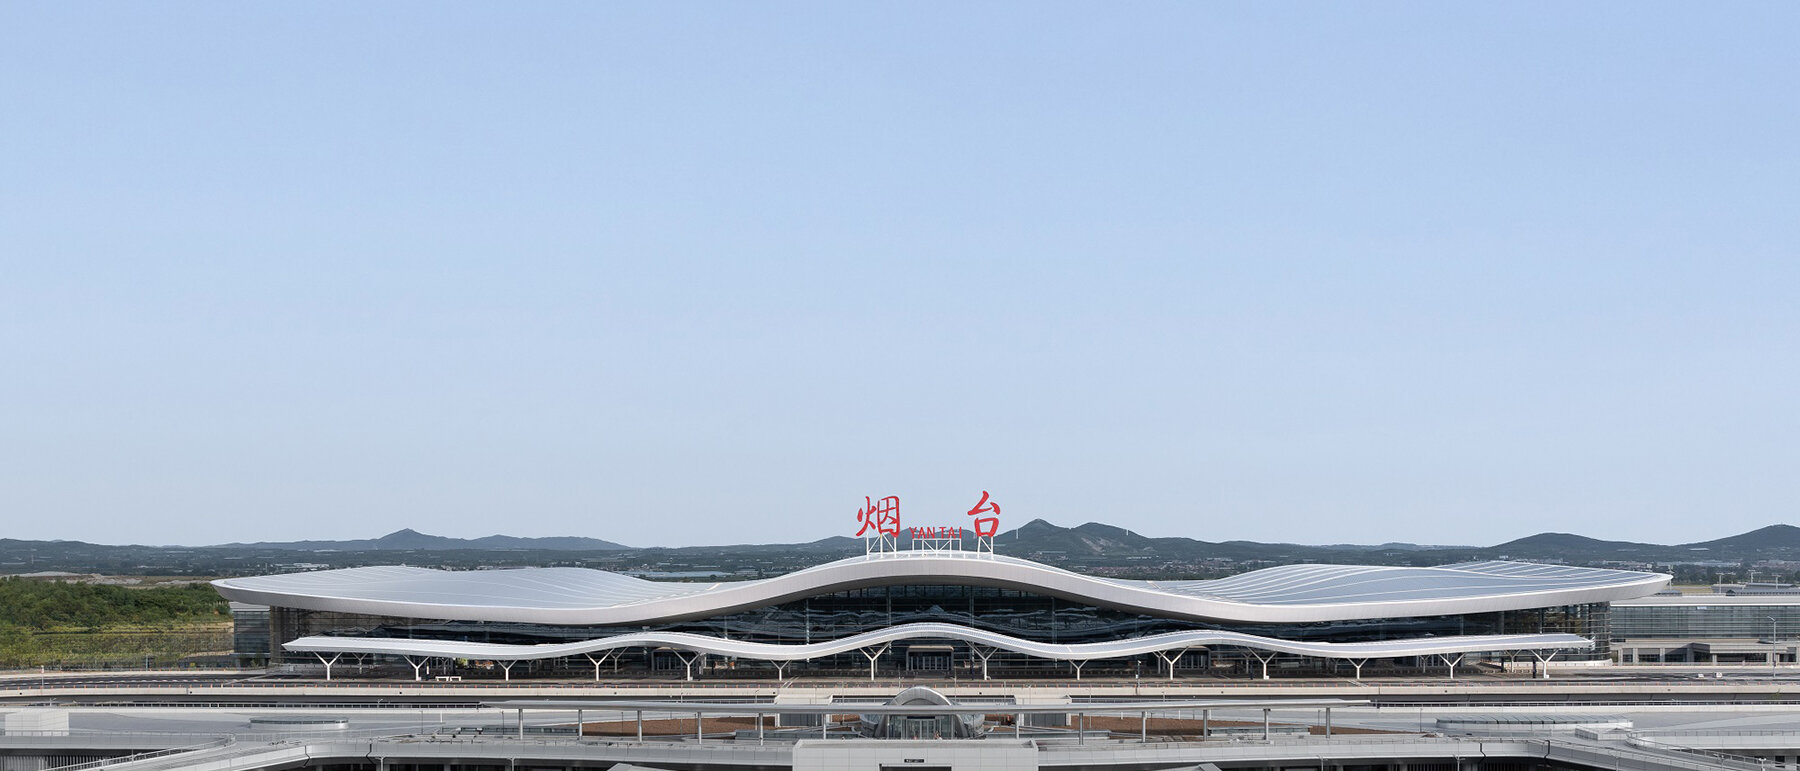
{"points": [[1705, 620], [1008, 611]]}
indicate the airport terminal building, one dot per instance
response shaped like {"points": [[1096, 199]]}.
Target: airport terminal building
{"points": [[936, 612]]}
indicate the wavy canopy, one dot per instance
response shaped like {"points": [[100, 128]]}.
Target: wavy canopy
{"points": [[1288, 594], [1134, 646]]}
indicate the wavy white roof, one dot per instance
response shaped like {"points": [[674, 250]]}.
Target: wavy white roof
{"points": [[1288, 594], [1133, 646]]}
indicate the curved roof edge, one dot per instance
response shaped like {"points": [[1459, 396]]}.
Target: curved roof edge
{"points": [[1288, 594], [1422, 646]]}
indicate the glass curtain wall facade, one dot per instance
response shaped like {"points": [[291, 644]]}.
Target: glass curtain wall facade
{"points": [[1701, 620], [1018, 613]]}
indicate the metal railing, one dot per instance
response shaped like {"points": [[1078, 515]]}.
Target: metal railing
{"points": [[1627, 758], [26, 684], [225, 741], [1640, 741]]}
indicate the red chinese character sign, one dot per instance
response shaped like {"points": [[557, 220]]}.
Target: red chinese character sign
{"points": [[880, 531], [880, 524], [985, 527]]}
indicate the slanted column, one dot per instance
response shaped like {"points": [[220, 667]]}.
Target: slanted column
{"points": [[1169, 661], [687, 663], [1358, 663], [1265, 661], [506, 669], [1451, 662], [598, 661], [327, 662], [983, 654], [873, 656], [1078, 664], [416, 665], [1543, 661]]}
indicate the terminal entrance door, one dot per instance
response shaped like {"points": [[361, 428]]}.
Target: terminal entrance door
{"points": [[921, 727], [929, 658]]}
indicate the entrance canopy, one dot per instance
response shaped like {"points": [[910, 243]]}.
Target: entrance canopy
{"points": [[1133, 646]]}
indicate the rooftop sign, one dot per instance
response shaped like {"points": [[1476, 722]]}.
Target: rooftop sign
{"points": [[880, 531]]}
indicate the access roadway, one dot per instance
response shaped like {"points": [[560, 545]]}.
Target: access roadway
{"points": [[1635, 688]]}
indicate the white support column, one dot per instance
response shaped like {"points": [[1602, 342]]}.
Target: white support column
{"points": [[1078, 664], [416, 665], [1451, 662], [1169, 661], [759, 728], [1265, 724], [984, 654], [1543, 661], [687, 663], [1143, 727], [1358, 663], [580, 726], [327, 662], [506, 669], [598, 661], [640, 722], [873, 657], [780, 667], [521, 723], [1265, 661]]}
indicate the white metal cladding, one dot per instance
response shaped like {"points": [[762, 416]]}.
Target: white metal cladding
{"points": [[1288, 594], [1422, 646]]}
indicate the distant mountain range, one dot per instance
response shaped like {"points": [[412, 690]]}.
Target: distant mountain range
{"points": [[1772, 542], [1100, 540], [1092, 545], [413, 540], [1095, 540]]}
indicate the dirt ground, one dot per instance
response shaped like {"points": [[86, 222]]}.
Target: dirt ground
{"points": [[1183, 727], [712, 725]]}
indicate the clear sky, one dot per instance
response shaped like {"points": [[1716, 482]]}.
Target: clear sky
{"points": [[685, 273]]}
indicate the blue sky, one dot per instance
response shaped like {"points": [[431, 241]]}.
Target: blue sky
{"points": [[678, 274]]}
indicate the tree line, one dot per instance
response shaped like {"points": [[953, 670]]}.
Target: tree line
{"points": [[44, 605]]}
